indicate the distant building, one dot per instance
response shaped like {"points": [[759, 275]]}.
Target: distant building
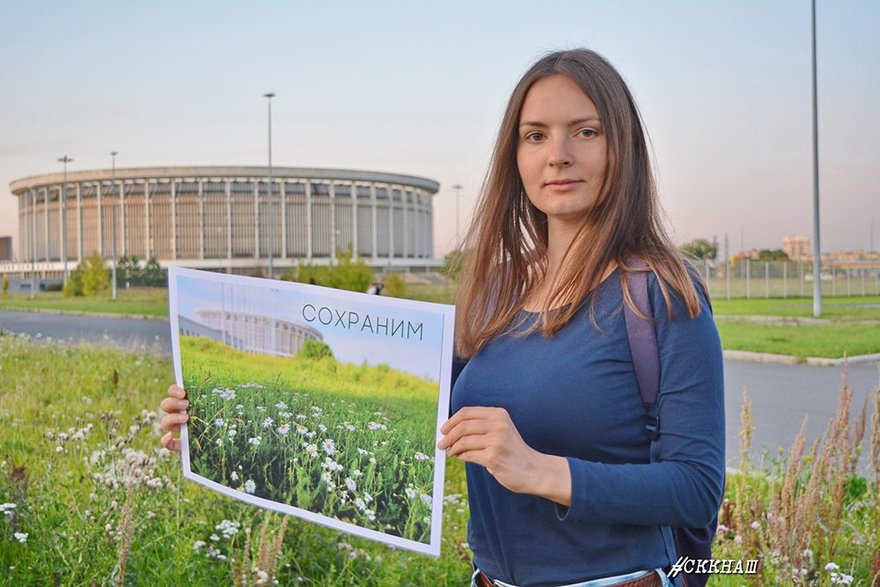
{"points": [[797, 248], [218, 218], [5, 248]]}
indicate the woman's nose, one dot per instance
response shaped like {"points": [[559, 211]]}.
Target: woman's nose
{"points": [[560, 156]]}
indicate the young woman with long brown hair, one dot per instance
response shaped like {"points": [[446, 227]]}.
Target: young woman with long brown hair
{"points": [[564, 485]]}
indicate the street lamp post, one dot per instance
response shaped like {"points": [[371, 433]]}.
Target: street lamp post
{"points": [[817, 250], [269, 96], [457, 187], [113, 223], [63, 208]]}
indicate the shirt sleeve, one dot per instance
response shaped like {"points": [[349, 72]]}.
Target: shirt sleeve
{"points": [[684, 483]]}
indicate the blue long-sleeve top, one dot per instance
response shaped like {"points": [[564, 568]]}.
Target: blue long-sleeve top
{"points": [[575, 395]]}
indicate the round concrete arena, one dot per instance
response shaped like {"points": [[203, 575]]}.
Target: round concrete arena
{"points": [[221, 217]]}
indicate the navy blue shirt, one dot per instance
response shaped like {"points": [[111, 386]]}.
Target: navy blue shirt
{"points": [[575, 395]]}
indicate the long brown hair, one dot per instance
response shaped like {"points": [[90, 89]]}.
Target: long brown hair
{"points": [[507, 241]]}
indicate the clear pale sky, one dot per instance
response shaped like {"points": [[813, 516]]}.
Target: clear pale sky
{"points": [[419, 88]]}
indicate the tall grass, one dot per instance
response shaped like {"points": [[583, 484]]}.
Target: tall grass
{"points": [[96, 503]]}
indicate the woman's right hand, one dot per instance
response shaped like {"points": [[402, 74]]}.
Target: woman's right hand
{"points": [[174, 406]]}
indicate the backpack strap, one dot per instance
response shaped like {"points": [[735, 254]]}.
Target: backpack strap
{"points": [[643, 348]]}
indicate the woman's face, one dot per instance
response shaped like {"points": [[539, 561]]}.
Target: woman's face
{"points": [[562, 150]]}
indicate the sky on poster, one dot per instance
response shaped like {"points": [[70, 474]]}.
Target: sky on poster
{"points": [[419, 356], [419, 87]]}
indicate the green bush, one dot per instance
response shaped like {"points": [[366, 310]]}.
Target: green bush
{"points": [[394, 286], [316, 349], [95, 276], [74, 286], [349, 272], [5, 285]]}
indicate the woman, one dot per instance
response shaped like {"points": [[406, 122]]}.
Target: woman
{"points": [[562, 486], [547, 415]]}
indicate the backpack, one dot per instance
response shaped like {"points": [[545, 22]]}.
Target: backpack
{"points": [[694, 543]]}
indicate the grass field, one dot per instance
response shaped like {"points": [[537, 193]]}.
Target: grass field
{"points": [[87, 498], [840, 334], [146, 301], [97, 503]]}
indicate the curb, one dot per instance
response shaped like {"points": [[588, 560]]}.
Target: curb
{"points": [[731, 355], [78, 313]]}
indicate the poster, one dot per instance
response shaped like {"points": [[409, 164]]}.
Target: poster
{"points": [[315, 402]]}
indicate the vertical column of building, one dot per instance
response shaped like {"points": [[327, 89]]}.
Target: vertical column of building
{"points": [[256, 217], [284, 218], [79, 223], [375, 222], [390, 192], [99, 195], [309, 219], [404, 195], [46, 221], [227, 184], [33, 224], [174, 218], [355, 243], [147, 238], [62, 201], [201, 197], [122, 215], [333, 231], [429, 212]]}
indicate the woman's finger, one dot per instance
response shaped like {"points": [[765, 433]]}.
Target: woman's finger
{"points": [[176, 391], [471, 442], [172, 404], [172, 422], [463, 429], [171, 443]]}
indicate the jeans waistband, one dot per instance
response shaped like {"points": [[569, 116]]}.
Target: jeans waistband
{"points": [[603, 582]]}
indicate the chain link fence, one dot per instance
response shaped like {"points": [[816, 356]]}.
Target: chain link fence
{"points": [[785, 279]]}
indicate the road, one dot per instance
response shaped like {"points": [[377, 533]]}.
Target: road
{"points": [[781, 395]]}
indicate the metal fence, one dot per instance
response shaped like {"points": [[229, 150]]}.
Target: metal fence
{"points": [[785, 279]]}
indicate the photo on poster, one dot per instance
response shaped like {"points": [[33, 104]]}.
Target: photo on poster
{"points": [[315, 402]]}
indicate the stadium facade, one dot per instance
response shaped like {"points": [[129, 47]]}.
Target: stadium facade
{"points": [[221, 218]]}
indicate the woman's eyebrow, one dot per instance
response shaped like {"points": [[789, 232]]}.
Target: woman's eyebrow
{"points": [[572, 123]]}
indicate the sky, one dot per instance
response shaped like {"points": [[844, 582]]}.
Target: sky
{"points": [[419, 88]]}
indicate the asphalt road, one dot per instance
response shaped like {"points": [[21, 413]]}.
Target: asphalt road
{"points": [[781, 395]]}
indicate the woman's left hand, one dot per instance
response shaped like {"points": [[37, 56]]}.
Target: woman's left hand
{"points": [[488, 437]]}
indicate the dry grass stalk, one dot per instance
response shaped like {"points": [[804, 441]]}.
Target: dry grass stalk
{"points": [[241, 571], [783, 508], [260, 569], [126, 534], [746, 432], [875, 434]]}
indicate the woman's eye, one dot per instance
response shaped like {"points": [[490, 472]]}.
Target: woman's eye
{"points": [[587, 133], [533, 137]]}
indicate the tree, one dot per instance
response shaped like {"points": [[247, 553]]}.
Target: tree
{"points": [[452, 264], [700, 249], [772, 255], [95, 276], [5, 285], [74, 285]]}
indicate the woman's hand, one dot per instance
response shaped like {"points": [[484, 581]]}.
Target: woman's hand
{"points": [[488, 437], [174, 406]]}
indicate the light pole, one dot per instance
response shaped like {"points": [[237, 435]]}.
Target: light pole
{"points": [[457, 187], [63, 200], [269, 96], [113, 222], [817, 250]]}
